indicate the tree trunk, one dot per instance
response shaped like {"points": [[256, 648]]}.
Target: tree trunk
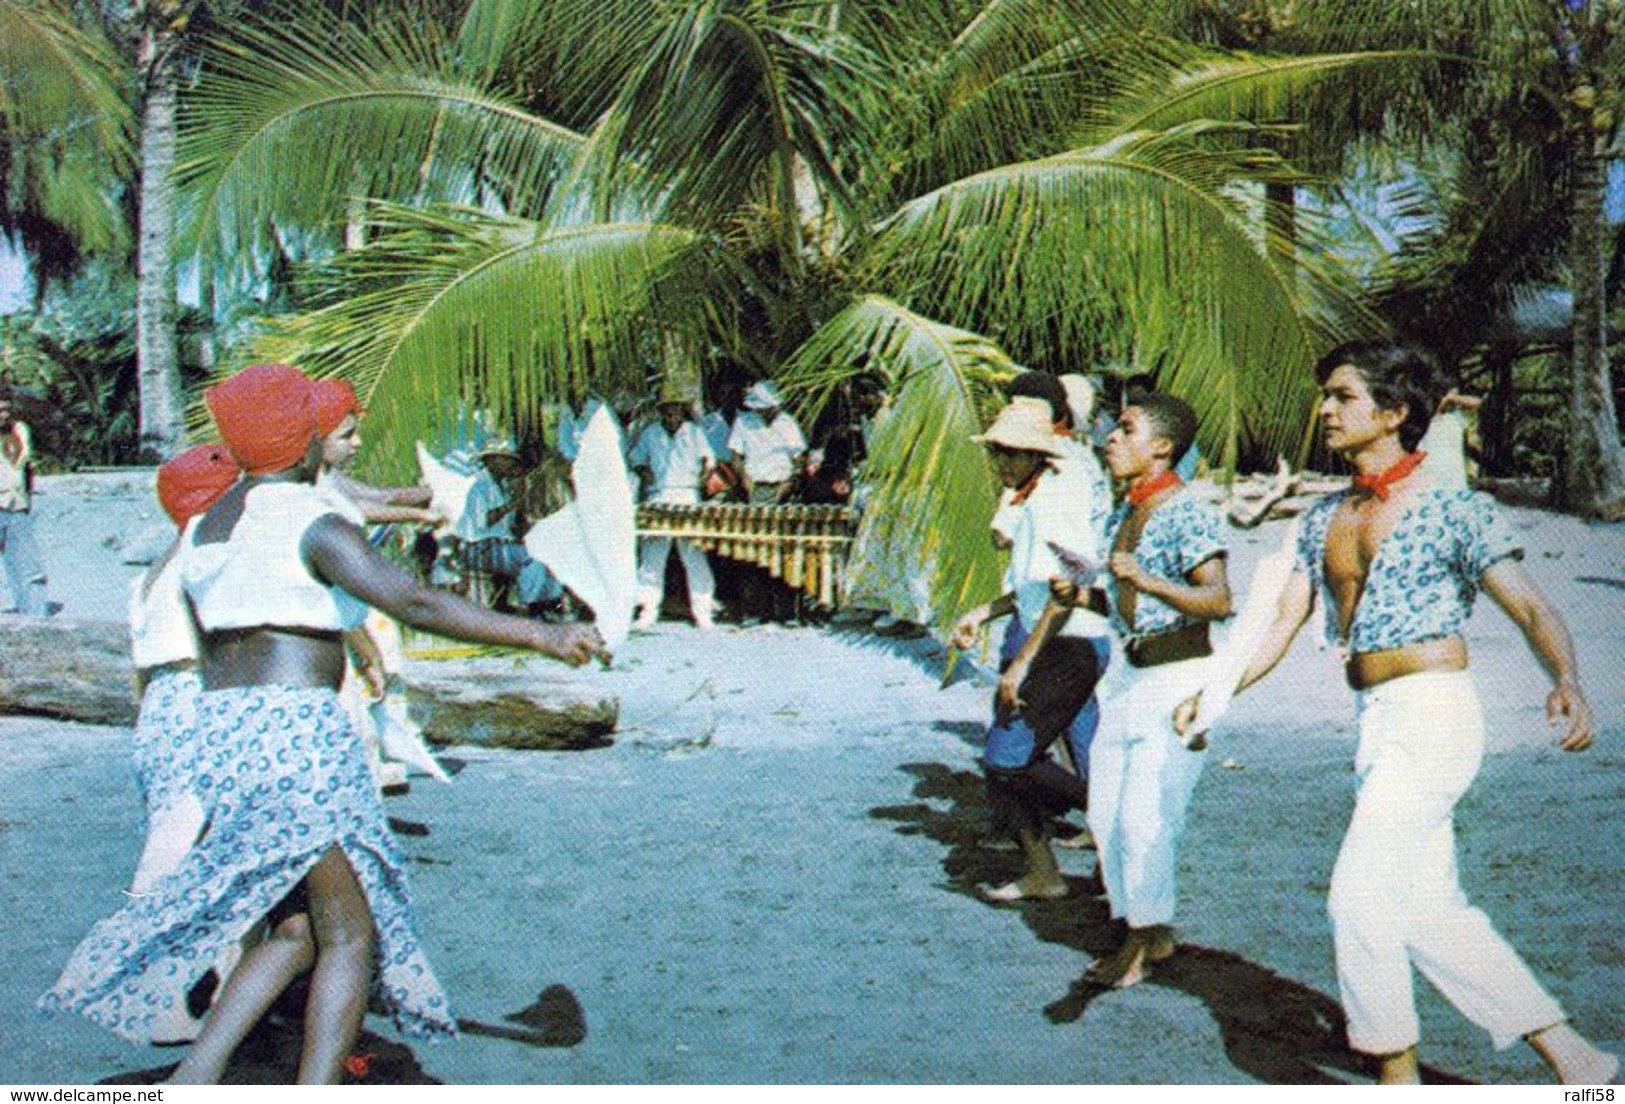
{"points": [[1593, 482], [163, 427]]}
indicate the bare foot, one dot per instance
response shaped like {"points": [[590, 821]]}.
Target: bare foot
{"points": [[1161, 941], [1573, 1058], [1126, 967], [1031, 887]]}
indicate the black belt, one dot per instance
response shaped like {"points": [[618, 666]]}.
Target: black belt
{"points": [[1169, 646]]}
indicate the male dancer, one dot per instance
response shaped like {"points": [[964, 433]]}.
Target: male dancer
{"points": [[1049, 675], [1165, 583], [1398, 559]]}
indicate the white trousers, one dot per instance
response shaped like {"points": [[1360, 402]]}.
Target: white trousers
{"points": [[1395, 897], [1141, 777], [652, 574]]}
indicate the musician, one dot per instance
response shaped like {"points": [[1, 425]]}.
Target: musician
{"points": [[489, 528], [673, 458], [769, 444]]}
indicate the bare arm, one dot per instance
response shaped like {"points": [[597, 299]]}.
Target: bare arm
{"points": [[965, 630], [1206, 594], [1509, 584], [341, 555], [1291, 611]]}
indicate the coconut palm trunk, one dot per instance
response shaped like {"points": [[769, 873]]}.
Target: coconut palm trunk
{"points": [[162, 410], [1593, 480]]}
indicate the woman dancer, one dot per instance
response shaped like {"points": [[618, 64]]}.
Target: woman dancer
{"points": [[284, 778]]}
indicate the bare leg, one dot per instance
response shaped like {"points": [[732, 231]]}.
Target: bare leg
{"points": [[1130, 963], [262, 975], [1400, 1069], [1042, 881], [345, 940], [1572, 1057]]}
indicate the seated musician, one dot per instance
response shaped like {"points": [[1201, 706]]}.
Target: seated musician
{"points": [[490, 534]]}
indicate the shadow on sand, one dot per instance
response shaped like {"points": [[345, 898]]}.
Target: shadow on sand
{"points": [[1274, 1029]]}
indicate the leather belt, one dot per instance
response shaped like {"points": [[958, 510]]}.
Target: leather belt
{"points": [[1170, 646]]}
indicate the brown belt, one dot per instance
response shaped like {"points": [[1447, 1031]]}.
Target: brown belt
{"points": [[1171, 646]]}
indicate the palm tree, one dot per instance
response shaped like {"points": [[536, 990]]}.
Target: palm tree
{"points": [[927, 194], [65, 138], [1534, 113]]}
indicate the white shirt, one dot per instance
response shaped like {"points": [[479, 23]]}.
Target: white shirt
{"points": [[14, 457], [258, 575], [486, 495], [769, 450], [1058, 509], [677, 461], [161, 629]]}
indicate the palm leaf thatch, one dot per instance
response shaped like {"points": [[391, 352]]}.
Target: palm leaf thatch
{"points": [[931, 488], [292, 125], [452, 309]]}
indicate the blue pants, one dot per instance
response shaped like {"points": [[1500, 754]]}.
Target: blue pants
{"points": [[1024, 785]]}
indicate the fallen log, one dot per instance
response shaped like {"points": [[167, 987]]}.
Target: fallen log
{"points": [[67, 668], [509, 701], [79, 670]]}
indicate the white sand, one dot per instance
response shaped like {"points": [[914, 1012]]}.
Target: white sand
{"points": [[768, 877]]}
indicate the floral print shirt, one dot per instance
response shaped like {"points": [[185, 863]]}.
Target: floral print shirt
{"points": [[1181, 535], [1422, 581]]}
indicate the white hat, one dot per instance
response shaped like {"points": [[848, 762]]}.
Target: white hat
{"points": [[499, 446], [1025, 426], [763, 396], [1080, 399]]}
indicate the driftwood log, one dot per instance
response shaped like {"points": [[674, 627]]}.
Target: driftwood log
{"points": [[68, 668], [509, 701], [80, 671]]}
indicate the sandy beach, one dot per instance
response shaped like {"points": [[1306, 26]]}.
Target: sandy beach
{"points": [[770, 877]]}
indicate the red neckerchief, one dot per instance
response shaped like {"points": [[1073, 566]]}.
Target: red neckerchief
{"points": [[1023, 492], [1379, 485], [1149, 488]]}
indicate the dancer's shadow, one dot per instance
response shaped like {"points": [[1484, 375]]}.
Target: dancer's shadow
{"points": [[270, 1054], [1277, 1030]]}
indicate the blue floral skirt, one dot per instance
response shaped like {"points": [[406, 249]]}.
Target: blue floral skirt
{"points": [[164, 748], [282, 777]]}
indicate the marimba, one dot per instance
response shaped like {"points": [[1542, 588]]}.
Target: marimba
{"points": [[805, 546]]}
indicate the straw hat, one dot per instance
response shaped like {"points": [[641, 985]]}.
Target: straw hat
{"points": [[763, 396], [1024, 425], [1080, 398]]}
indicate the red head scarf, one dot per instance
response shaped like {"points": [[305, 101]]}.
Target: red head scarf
{"points": [[190, 483], [335, 400], [266, 415]]}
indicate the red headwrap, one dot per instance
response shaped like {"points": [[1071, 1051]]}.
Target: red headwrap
{"points": [[190, 483], [335, 400], [266, 415]]}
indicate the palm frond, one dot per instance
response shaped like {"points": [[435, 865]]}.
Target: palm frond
{"points": [[1135, 249], [762, 89], [61, 81], [454, 308], [290, 124], [68, 131], [932, 490]]}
